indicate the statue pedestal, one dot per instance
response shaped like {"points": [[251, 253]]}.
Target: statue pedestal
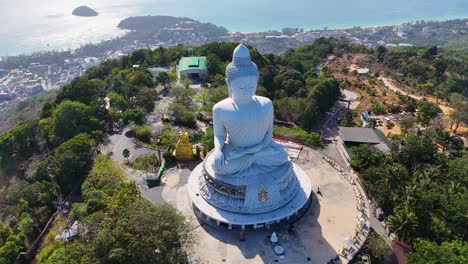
{"points": [[249, 202]]}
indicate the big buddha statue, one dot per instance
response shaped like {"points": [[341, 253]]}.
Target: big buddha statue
{"points": [[243, 123], [247, 179]]}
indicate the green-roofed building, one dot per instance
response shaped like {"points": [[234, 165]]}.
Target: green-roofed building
{"points": [[192, 68]]}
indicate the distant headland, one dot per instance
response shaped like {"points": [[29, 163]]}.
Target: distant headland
{"points": [[84, 11]]}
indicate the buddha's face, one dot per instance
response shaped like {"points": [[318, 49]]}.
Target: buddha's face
{"points": [[243, 88]]}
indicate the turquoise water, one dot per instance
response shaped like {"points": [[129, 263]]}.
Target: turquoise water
{"points": [[259, 15], [26, 26]]}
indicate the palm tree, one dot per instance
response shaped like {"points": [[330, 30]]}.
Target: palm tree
{"points": [[404, 222]]}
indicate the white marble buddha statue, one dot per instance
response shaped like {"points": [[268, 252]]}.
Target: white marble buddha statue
{"points": [[243, 124]]}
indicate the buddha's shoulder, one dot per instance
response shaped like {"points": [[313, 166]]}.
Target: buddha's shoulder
{"points": [[264, 101], [223, 105]]}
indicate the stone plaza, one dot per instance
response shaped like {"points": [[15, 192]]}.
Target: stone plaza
{"points": [[315, 238]]}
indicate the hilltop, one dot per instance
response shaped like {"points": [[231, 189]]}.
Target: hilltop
{"points": [[165, 27]]}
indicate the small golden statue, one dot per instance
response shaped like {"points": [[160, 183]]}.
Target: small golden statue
{"points": [[262, 194], [184, 150]]}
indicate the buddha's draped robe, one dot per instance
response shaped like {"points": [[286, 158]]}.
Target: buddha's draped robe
{"points": [[248, 130]]}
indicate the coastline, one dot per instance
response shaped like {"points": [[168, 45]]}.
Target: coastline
{"points": [[40, 50], [350, 26]]}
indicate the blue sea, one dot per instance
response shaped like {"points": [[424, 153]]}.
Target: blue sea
{"points": [[31, 25]]}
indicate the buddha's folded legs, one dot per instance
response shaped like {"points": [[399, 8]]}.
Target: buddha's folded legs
{"points": [[271, 156], [274, 155]]}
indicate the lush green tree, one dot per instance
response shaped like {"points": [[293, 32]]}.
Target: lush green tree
{"points": [[214, 65], [409, 104], [75, 252], [427, 111], [161, 56], [415, 150], [181, 94], [27, 225], [203, 97], [40, 194], [455, 252], [289, 80], [379, 109], [141, 78], [365, 156], [133, 235], [83, 90], [457, 85], [168, 137], [217, 94], [460, 112], [72, 160], [10, 249], [101, 182], [18, 143], [403, 221], [289, 109], [117, 101], [136, 116], [163, 78], [407, 123], [177, 110], [430, 52], [381, 50], [145, 98], [347, 119], [378, 249], [71, 118]]}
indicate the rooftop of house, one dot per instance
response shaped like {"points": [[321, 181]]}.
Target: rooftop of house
{"points": [[359, 135], [191, 63]]}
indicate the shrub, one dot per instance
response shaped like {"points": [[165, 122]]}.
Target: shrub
{"points": [[310, 139], [147, 162], [168, 156], [143, 133]]}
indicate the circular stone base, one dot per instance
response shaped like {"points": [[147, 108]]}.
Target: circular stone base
{"points": [[209, 213]]}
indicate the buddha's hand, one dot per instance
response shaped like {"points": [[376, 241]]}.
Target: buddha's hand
{"points": [[218, 158]]}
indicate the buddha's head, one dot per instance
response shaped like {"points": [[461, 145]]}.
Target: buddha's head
{"points": [[241, 75]]}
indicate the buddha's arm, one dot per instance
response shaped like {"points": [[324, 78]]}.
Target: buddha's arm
{"points": [[218, 130], [219, 138]]}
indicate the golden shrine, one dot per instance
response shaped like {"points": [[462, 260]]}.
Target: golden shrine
{"points": [[184, 150]]}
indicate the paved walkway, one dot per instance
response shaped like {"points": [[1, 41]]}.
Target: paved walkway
{"points": [[315, 238], [123, 140]]}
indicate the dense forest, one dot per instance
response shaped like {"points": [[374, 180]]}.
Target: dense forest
{"points": [[118, 225], [422, 189]]}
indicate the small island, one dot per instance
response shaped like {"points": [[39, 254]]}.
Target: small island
{"points": [[84, 11]]}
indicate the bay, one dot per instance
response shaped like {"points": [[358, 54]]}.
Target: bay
{"points": [[30, 25]]}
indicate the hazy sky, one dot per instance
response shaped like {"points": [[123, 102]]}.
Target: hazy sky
{"points": [[21, 14]]}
